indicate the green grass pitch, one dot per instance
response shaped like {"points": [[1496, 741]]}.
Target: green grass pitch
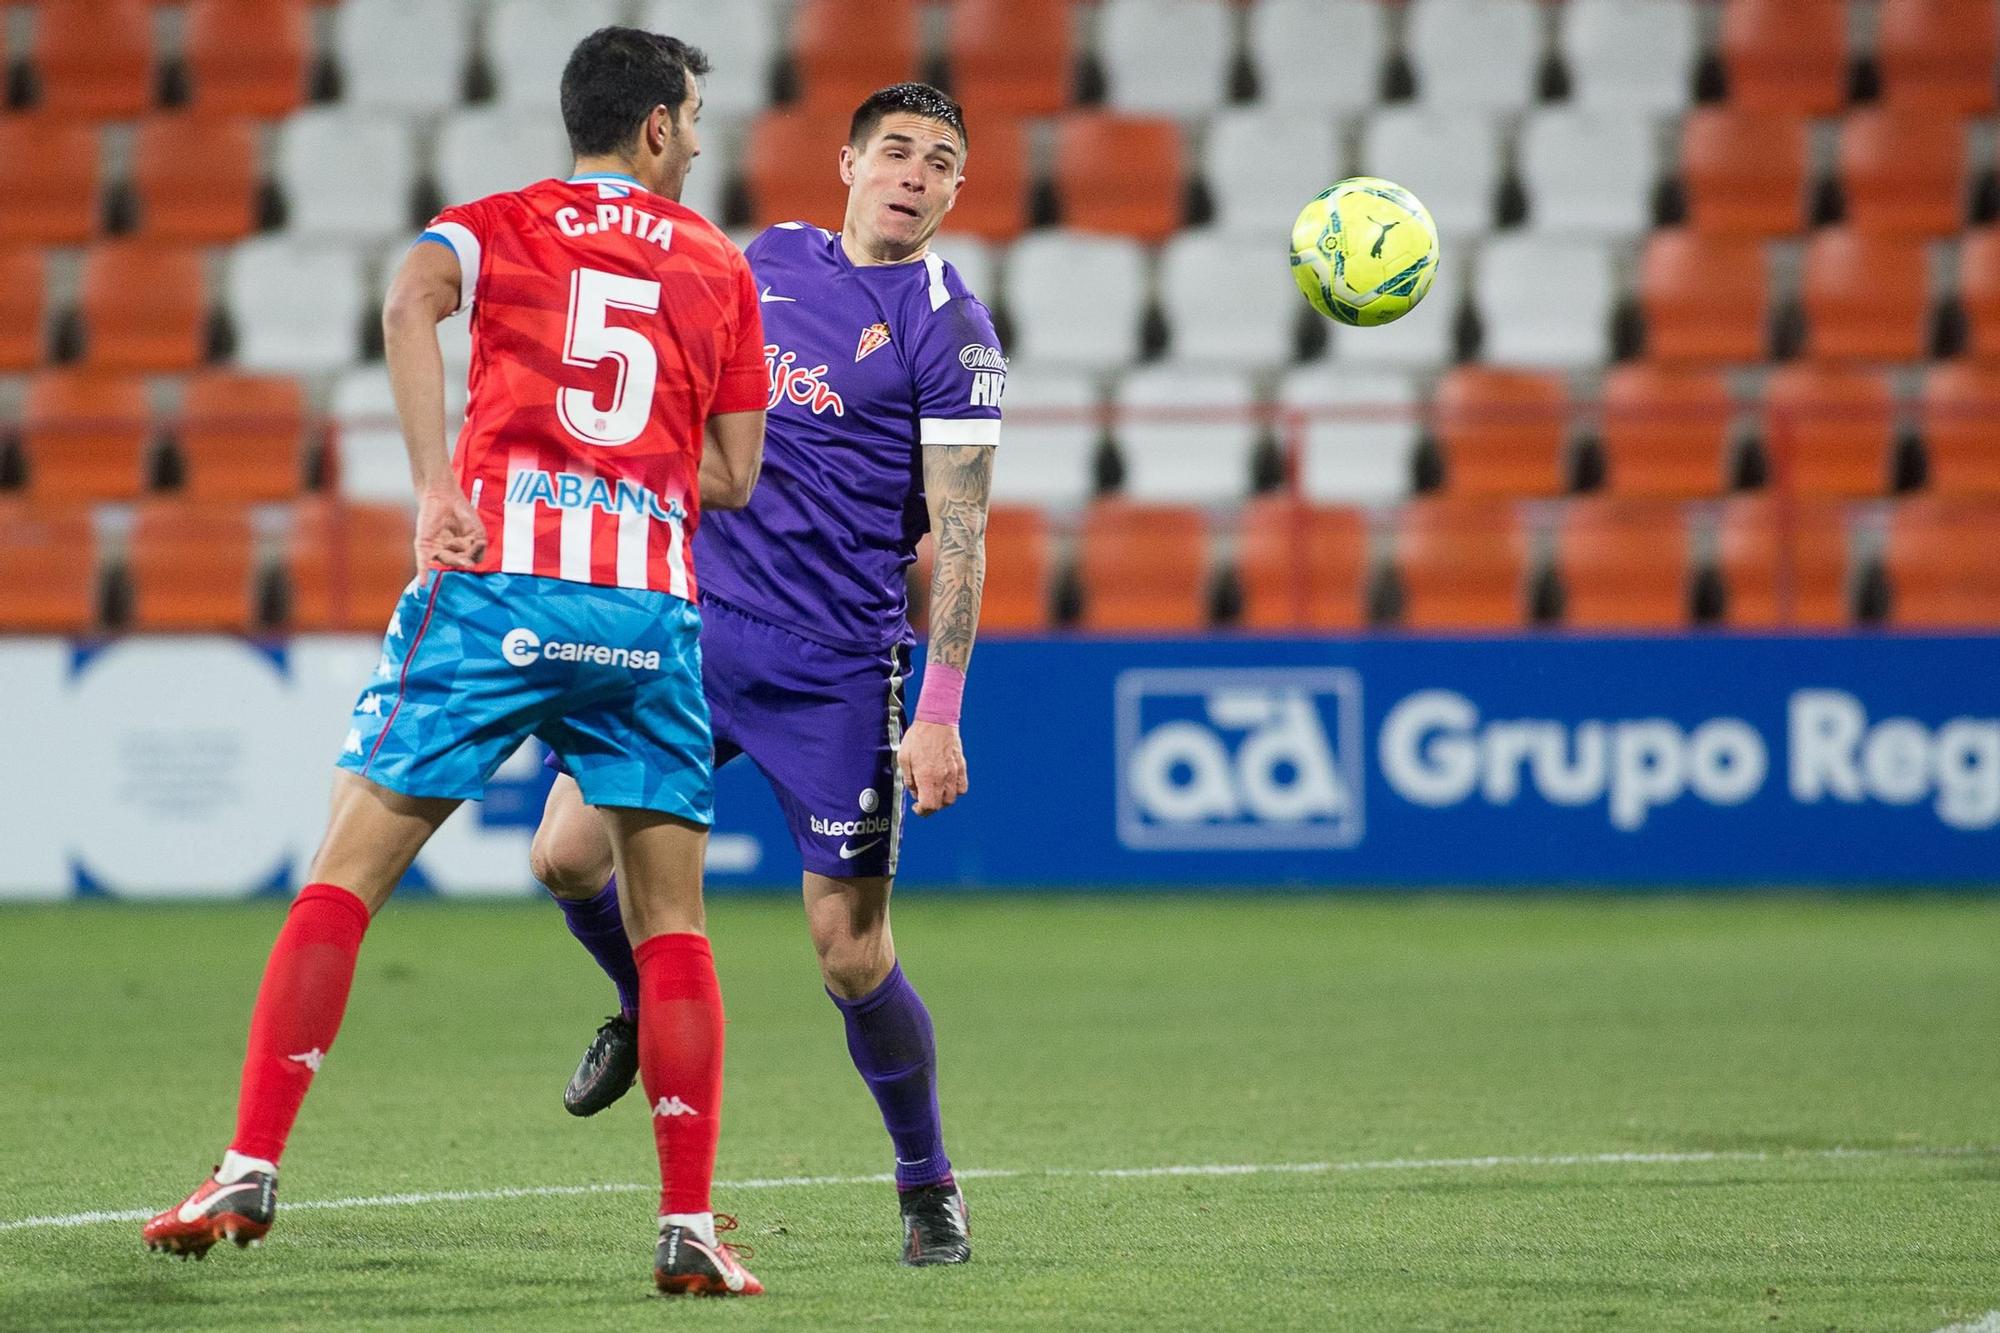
{"points": [[1776, 1113]]}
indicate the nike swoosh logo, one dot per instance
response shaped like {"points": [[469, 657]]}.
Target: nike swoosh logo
{"points": [[767, 298], [849, 853], [191, 1211], [732, 1276]]}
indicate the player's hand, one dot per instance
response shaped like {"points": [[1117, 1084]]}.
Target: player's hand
{"points": [[449, 533], [932, 763]]}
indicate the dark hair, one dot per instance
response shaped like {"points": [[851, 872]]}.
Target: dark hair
{"points": [[614, 79], [916, 99]]}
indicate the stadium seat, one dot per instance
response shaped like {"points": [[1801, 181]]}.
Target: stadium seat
{"points": [[1016, 595], [1866, 297], [1745, 171], [1186, 435], [1666, 431], [1480, 55], [1785, 55], [1680, 272], [51, 167], [405, 55], [195, 178], [1630, 55], [94, 57], [1623, 564], [241, 437], [994, 200], [48, 566], [1828, 429], [23, 307], [1226, 303], [1938, 54], [1262, 165], [1461, 565], [294, 307], [792, 168], [1959, 414], [1302, 567], [370, 462], [977, 262], [488, 149], [1289, 41], [844, 50], [1501, 431], [1449, 160], [1048, 448], [192, 566], [86, 436], [1939, 559], [528, 42], [346, 564], [1589, 172], [1544, 301], [144, 307], [1144, 568], [1165, 56], [1010, 57], [1903, 172], [740, 39], [346, 174], [1979, 291], [1352, 434], [1782, 562], [1076, 299], [1119, 174], [247, 57]]}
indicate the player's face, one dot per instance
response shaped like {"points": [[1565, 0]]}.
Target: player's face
{"points": [[901, 184], [680, 143]]}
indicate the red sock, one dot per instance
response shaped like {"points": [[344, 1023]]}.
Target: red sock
{"points": [[298, 1012], [680, 1062]]}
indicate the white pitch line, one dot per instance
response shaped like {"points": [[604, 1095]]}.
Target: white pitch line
{"points": [[1986, 1323], [1095, 1173]]}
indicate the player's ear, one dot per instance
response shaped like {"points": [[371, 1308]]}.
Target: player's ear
{"points": [[847, 158], [660, 129]]}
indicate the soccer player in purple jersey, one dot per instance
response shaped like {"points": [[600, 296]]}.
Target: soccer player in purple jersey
{"points": [[886, 378]]}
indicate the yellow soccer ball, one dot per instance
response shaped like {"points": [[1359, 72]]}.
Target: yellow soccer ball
{"points": [[1364, 251]]}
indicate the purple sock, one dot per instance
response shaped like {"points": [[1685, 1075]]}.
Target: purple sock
{"points": [[889, 1035], [598, 927]]}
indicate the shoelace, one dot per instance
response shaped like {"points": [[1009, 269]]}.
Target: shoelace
{"points": [[725, 1222]]}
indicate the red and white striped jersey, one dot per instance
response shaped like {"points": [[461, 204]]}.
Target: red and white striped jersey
{"points": [[608, 325]]}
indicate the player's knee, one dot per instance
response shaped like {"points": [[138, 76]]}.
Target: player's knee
{"points": [[564, 876], [852, 966]]}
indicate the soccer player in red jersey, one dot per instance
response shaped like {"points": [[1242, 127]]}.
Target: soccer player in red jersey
{"points": [[617, 387]]}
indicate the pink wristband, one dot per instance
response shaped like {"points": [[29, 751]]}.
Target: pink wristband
{"points": [[944, 688]]}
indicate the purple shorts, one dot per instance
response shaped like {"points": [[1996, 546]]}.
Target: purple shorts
{"points": [[821, 724]]}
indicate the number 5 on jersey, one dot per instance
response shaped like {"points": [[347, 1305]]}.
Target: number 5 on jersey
{"points": [[591, 339]]}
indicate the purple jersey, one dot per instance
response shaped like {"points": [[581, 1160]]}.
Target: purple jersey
{"points": [[868, 365]]}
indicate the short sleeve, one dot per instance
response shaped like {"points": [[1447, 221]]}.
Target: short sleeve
{"points": [[463, 228], [745, 383], [960, 375]]}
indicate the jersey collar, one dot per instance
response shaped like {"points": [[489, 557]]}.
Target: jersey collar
{"points": [[617, 176]]}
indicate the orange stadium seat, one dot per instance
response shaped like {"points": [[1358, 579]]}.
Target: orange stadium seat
{"points": [[792, 169], [1903, 172], [1866, 297], [1958, 412], [94, 57], [1938, 54], [1461, 565], [242, 437], [1979, 291], [1120, 174], [1144, 567], [1829, 429], [346, 564], [1501, 431], [23, 306], [48, 568], [1786, 55], [144, 307], [846, 49], [247, 57], [195, 178], [1679, 275], [51, 166], [994, 201], [86, 435], [1013, 57], [1624, 564], [191, 567], [1939, 558], [1017, 570], [1745, 171], [1783, 562], [1666, 431], [1303, 566]]}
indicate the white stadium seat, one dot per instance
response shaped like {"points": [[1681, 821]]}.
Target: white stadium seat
{"points": [[345, 173], [1589, 172], [1048, 446], [1482, 54], [1191, 436], [1262, 166], [407, 54], [373, 463], [707, 184], [489, 149], [1165, 56], [1451, 160], [1076, 299], [1636, 55], [1544, 301], [978, 267], [1291, 42], [295, 307], [740, 39], [1363, 455], [1227, 303], [528, 42]]}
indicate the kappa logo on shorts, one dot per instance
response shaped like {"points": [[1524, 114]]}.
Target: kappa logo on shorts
{"points": [[522, 647]]}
